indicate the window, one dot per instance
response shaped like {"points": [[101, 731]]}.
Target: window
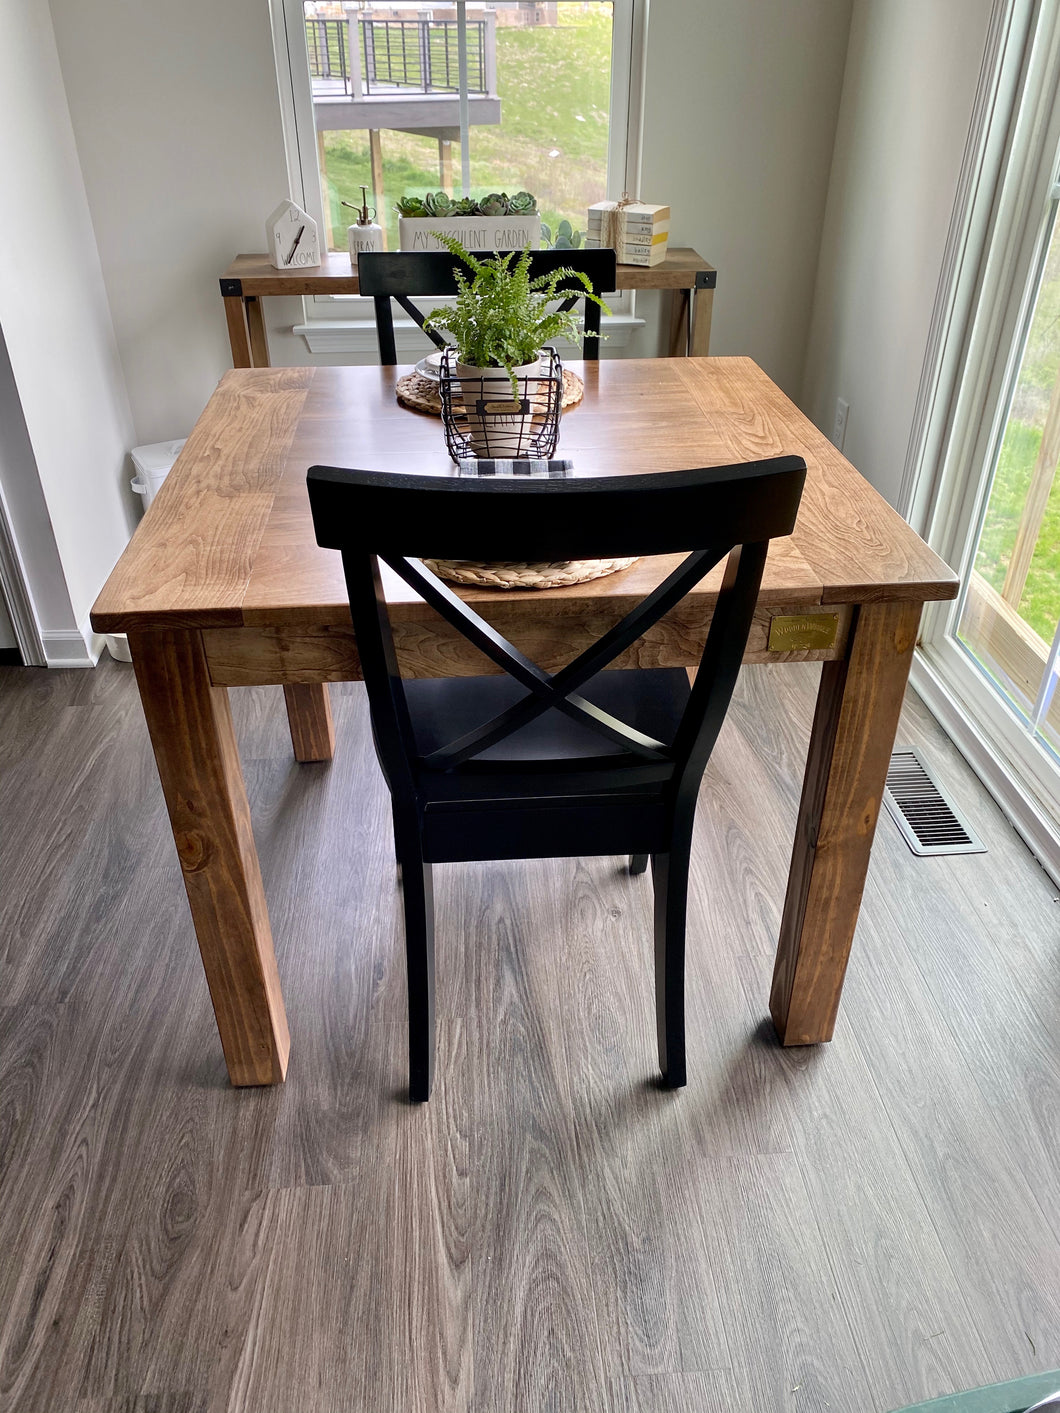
{"points": [[1010, 621], [373, 97], [989, 665]]}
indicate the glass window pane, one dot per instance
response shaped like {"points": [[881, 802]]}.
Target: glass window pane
{"points": [[385, 88], [1013, 600], [554, 82]]}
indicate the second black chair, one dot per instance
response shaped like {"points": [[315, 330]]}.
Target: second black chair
{"points": [[404, 275], [533, 764]]}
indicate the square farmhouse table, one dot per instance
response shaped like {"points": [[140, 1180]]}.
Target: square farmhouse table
{"points": [[223, 586]]}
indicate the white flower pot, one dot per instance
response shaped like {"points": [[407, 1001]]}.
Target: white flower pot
{"points": [[493, 429], [479, 234]]}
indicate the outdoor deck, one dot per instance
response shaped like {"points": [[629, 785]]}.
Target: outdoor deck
{"points": [[400, 74]]}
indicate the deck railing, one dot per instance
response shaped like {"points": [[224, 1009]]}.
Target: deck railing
{"points": [[326, 41], [419, 56]]}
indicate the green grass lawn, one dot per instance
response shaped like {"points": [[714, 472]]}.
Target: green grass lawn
{"points": [[1040, 604], [554, 86]]}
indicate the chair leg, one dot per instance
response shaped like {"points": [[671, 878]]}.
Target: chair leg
{"points": [[670, 874], [393, 815], [418, 900], [638, 863]]}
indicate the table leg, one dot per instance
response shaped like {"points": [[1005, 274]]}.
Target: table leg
{"points": [[858, 707], [702, 311], [198, 761], [309, 717], [259, 340], [680, 341], [238, 333]]}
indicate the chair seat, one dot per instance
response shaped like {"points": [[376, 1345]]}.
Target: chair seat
{"points": [[554, 787]]}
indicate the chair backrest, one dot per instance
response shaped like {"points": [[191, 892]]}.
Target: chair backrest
{"points": [[711, 513], [403, 274]]}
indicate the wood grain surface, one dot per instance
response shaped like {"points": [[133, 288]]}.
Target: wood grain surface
{"points": [[259, 338], [662, 414], [854, 728], [858, 1227], [702, 314], [202, 780], [245, 657], [230, 540], [309, 717], [190, 559], [238, 332], [335, 274]]}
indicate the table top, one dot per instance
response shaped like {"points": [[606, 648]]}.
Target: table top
{"points": [[229, 541], [256, 275]]}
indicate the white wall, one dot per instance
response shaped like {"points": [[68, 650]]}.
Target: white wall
{"points": [[741, 108], [177, 118], [178, 126], [911, 77], [54, 314]]}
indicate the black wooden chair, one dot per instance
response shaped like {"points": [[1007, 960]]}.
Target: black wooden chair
{"points": [[530, 764], [403, 274]]}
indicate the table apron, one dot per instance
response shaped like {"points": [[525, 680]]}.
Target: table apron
{"points": [[259, 656]]}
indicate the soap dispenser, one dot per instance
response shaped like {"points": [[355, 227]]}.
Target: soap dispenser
{"points": [[365, 235]]}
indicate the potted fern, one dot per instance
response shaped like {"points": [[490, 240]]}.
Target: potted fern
{"points": [[501, 320]]}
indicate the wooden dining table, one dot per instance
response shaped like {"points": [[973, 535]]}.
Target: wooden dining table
{"points": [[223, 586]]}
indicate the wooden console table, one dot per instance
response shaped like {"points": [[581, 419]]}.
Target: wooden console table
{"points": [[251, 278]]}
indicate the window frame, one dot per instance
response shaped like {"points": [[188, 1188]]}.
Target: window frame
{"points": [[345, 323]]}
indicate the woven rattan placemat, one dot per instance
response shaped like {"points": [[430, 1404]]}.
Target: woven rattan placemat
{"points": [[421, 394], [515, 574]]}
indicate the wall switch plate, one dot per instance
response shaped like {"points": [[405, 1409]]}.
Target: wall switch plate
{"points": [[839, 426]]}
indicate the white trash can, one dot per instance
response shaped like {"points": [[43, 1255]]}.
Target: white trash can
{"points": [[153, 464]]}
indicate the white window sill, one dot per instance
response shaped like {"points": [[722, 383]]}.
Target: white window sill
{"points": [[358, 336]]}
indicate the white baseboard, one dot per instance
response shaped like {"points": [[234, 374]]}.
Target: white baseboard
{"points": [[73, 648]]}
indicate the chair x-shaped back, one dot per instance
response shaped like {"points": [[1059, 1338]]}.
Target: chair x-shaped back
{"points": [[553, 690]]}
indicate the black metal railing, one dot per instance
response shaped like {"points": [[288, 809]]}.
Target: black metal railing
{"points": [[420, 56], [328, 44]]}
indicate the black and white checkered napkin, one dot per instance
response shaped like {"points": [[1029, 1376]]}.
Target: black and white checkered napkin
{"points": [[496, 466]]}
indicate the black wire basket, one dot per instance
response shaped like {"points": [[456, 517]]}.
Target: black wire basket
{"points": [[482, 420]]}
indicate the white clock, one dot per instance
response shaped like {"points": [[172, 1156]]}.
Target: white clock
{"points": [[291, 237]]}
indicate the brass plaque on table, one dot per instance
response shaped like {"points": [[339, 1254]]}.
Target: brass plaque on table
{"points": [[802, 632]]}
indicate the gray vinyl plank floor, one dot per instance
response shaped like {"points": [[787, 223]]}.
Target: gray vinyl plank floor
{"points": [[852, 1227]]}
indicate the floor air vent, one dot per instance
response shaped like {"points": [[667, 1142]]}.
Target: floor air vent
{"points": [[927, 819]]}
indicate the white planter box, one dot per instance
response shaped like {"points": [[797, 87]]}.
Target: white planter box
{"points": [[477, 233]]}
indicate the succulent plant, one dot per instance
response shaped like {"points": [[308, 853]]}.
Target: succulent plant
{"points": [[437, 203], [565, 238]]}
